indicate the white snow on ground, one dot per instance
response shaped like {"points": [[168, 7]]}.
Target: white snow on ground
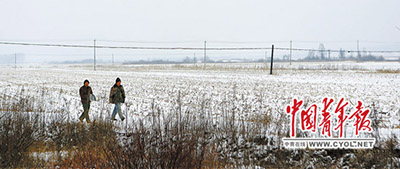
{"points": [[56, 87]]}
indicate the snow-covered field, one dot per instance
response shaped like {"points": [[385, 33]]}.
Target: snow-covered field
{"points": [[248, 85], [244, 92]]}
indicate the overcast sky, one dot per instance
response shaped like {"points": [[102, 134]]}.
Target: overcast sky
{"points": [[337, 24]]}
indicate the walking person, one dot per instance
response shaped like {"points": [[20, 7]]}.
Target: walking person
{"points": [[85, 91], [117, 96]]}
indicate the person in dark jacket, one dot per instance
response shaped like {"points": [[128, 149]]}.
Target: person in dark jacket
{"points": [[85, 92], [117, 96]]}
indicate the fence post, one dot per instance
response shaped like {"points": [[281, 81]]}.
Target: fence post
{"points": [[272, 59], [15, 59], [94, 55], [205, 54], [290, 53], [265, 60]]}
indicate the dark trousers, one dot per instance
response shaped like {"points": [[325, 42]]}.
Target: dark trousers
{"points": [[85, 114]]}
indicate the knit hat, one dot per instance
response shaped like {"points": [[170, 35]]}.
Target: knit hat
{"points": [[117, 80], [86, 81]]}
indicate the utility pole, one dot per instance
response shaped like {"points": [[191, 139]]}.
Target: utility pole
{"points": [[358, 50], [15, 59], [205, 54], [113, 59], [272, 59], [194, 58], [329, 54], [265, 60], [290, 57], [94, 55]]}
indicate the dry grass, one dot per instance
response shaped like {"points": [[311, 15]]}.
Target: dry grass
{"points": [[388, 71], [175, 139]]}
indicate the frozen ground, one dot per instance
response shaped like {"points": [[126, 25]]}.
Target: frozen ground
{"points": [[249, 85]]}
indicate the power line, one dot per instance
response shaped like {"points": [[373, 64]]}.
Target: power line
{"points": [[47, 40], [248, 42], [181, 48], [124, 47], [337, 51], [187, 53], [120, 41], [192, 41], [364, 42], [298, 41]]}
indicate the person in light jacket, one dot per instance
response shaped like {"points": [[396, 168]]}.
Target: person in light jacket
{"points": [[117, 96]]}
